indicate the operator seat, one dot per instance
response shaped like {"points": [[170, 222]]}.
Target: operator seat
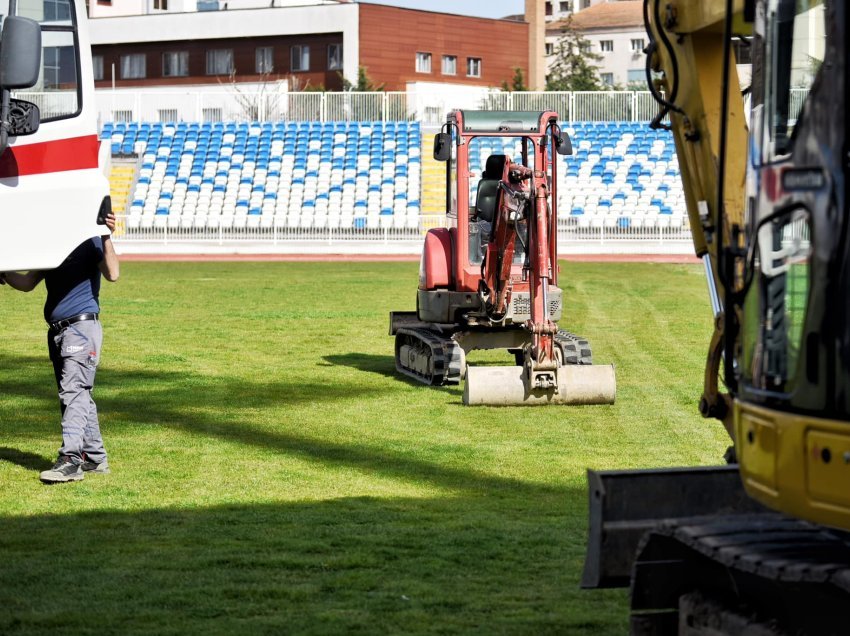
{"points": [[488, 188]]}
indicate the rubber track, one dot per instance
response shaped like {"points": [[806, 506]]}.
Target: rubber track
{"points": [[770, 546], [446, 356], [575, 349], [790, 575]]}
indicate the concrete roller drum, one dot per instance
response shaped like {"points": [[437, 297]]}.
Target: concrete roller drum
{"points": [[506, 386]]}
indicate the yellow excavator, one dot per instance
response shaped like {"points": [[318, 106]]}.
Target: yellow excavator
{"points": [[761, 545]]}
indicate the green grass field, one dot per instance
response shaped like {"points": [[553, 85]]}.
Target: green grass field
{"points": [[271, 474]]}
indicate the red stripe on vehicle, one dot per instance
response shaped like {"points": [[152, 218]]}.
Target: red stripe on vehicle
{"points": [[77, 153]]}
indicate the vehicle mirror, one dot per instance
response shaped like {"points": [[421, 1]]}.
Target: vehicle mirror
{"points": [[20, 53], [442, 146], [24, 117], [563, 145]]}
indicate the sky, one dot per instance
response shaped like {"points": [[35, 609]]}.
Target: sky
{"points": [[480, 8]]}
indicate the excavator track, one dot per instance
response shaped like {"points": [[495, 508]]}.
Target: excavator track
{"points": [[575, 349], [428, 356], [783, 575]]}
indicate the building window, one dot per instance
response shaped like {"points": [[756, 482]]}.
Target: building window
{"points": [[548, 8], [57, 11], [550, 48], [450, 65], [584, 46], [133, 66], [606, 46], [473, 67], [175, 64], [334, 57], [565, 7], [51, 64], [423, 62], [220, 62], [264, 60], [97, 66], [607, 78], [637, 45], [637, 75], [160, 5], [300, 57]]}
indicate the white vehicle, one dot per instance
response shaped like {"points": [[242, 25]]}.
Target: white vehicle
{"points": [[52, 191]]}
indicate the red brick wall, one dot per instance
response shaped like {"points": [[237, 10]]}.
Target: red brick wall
{"points": [[390, 38], [243, 56]]}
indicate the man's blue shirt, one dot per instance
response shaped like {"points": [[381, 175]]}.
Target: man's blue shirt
{"points": [[74, 287]]}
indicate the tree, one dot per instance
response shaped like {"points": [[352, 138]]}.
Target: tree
{"points": [[573, 64], [517, 82], [259, 100], [364, 83]]}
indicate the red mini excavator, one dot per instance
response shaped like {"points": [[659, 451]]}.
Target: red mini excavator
{"points": [[490, 280]]}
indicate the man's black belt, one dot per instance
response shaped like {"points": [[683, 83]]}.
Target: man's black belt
{"points": [[61, 324]]}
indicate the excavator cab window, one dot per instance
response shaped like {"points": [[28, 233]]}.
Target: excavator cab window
{"points": [[772, 345], [58, 91], [486, 155], [790, 71]]}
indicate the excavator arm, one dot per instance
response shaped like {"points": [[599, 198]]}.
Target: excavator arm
{"points": [[701, 98]]}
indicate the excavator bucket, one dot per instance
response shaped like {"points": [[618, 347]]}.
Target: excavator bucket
{"points": [[507, 386]]}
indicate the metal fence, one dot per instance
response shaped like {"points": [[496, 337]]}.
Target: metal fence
{"points": [[428, 107], [673, 240]]}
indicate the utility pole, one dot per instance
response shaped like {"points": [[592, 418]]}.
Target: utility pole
{"points": [[535, 16]]}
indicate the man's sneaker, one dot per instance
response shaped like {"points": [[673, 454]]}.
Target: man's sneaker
{"points": [[93, 467], [63, 470]]}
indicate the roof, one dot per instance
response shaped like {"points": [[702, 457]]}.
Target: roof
{"points": [[210, 25], [625, 14], [504, 121]]}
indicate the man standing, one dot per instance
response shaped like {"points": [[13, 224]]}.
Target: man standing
{"points": [[73, 340]]}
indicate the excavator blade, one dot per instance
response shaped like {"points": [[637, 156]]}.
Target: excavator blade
{"points": [[506, 386]]}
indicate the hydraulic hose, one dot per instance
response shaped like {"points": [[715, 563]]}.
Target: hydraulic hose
{"points": [[726, 262], [667, 104]]}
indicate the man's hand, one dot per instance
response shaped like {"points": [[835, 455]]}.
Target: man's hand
{"points": [[110, 223], [109, 265]]}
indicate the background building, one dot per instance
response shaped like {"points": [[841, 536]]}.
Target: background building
{"points": [[118, 8], [615, 32], [297, 47]]}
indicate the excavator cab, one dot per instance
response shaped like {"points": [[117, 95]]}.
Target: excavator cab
{"points": [[489, 280], [51, 183], [761, 545]]}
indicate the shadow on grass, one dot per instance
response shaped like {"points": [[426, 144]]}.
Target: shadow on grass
{"points": [[385, 366], [497, 555], [356, 565], [369, 362], [29, 461], [214, 407]]}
